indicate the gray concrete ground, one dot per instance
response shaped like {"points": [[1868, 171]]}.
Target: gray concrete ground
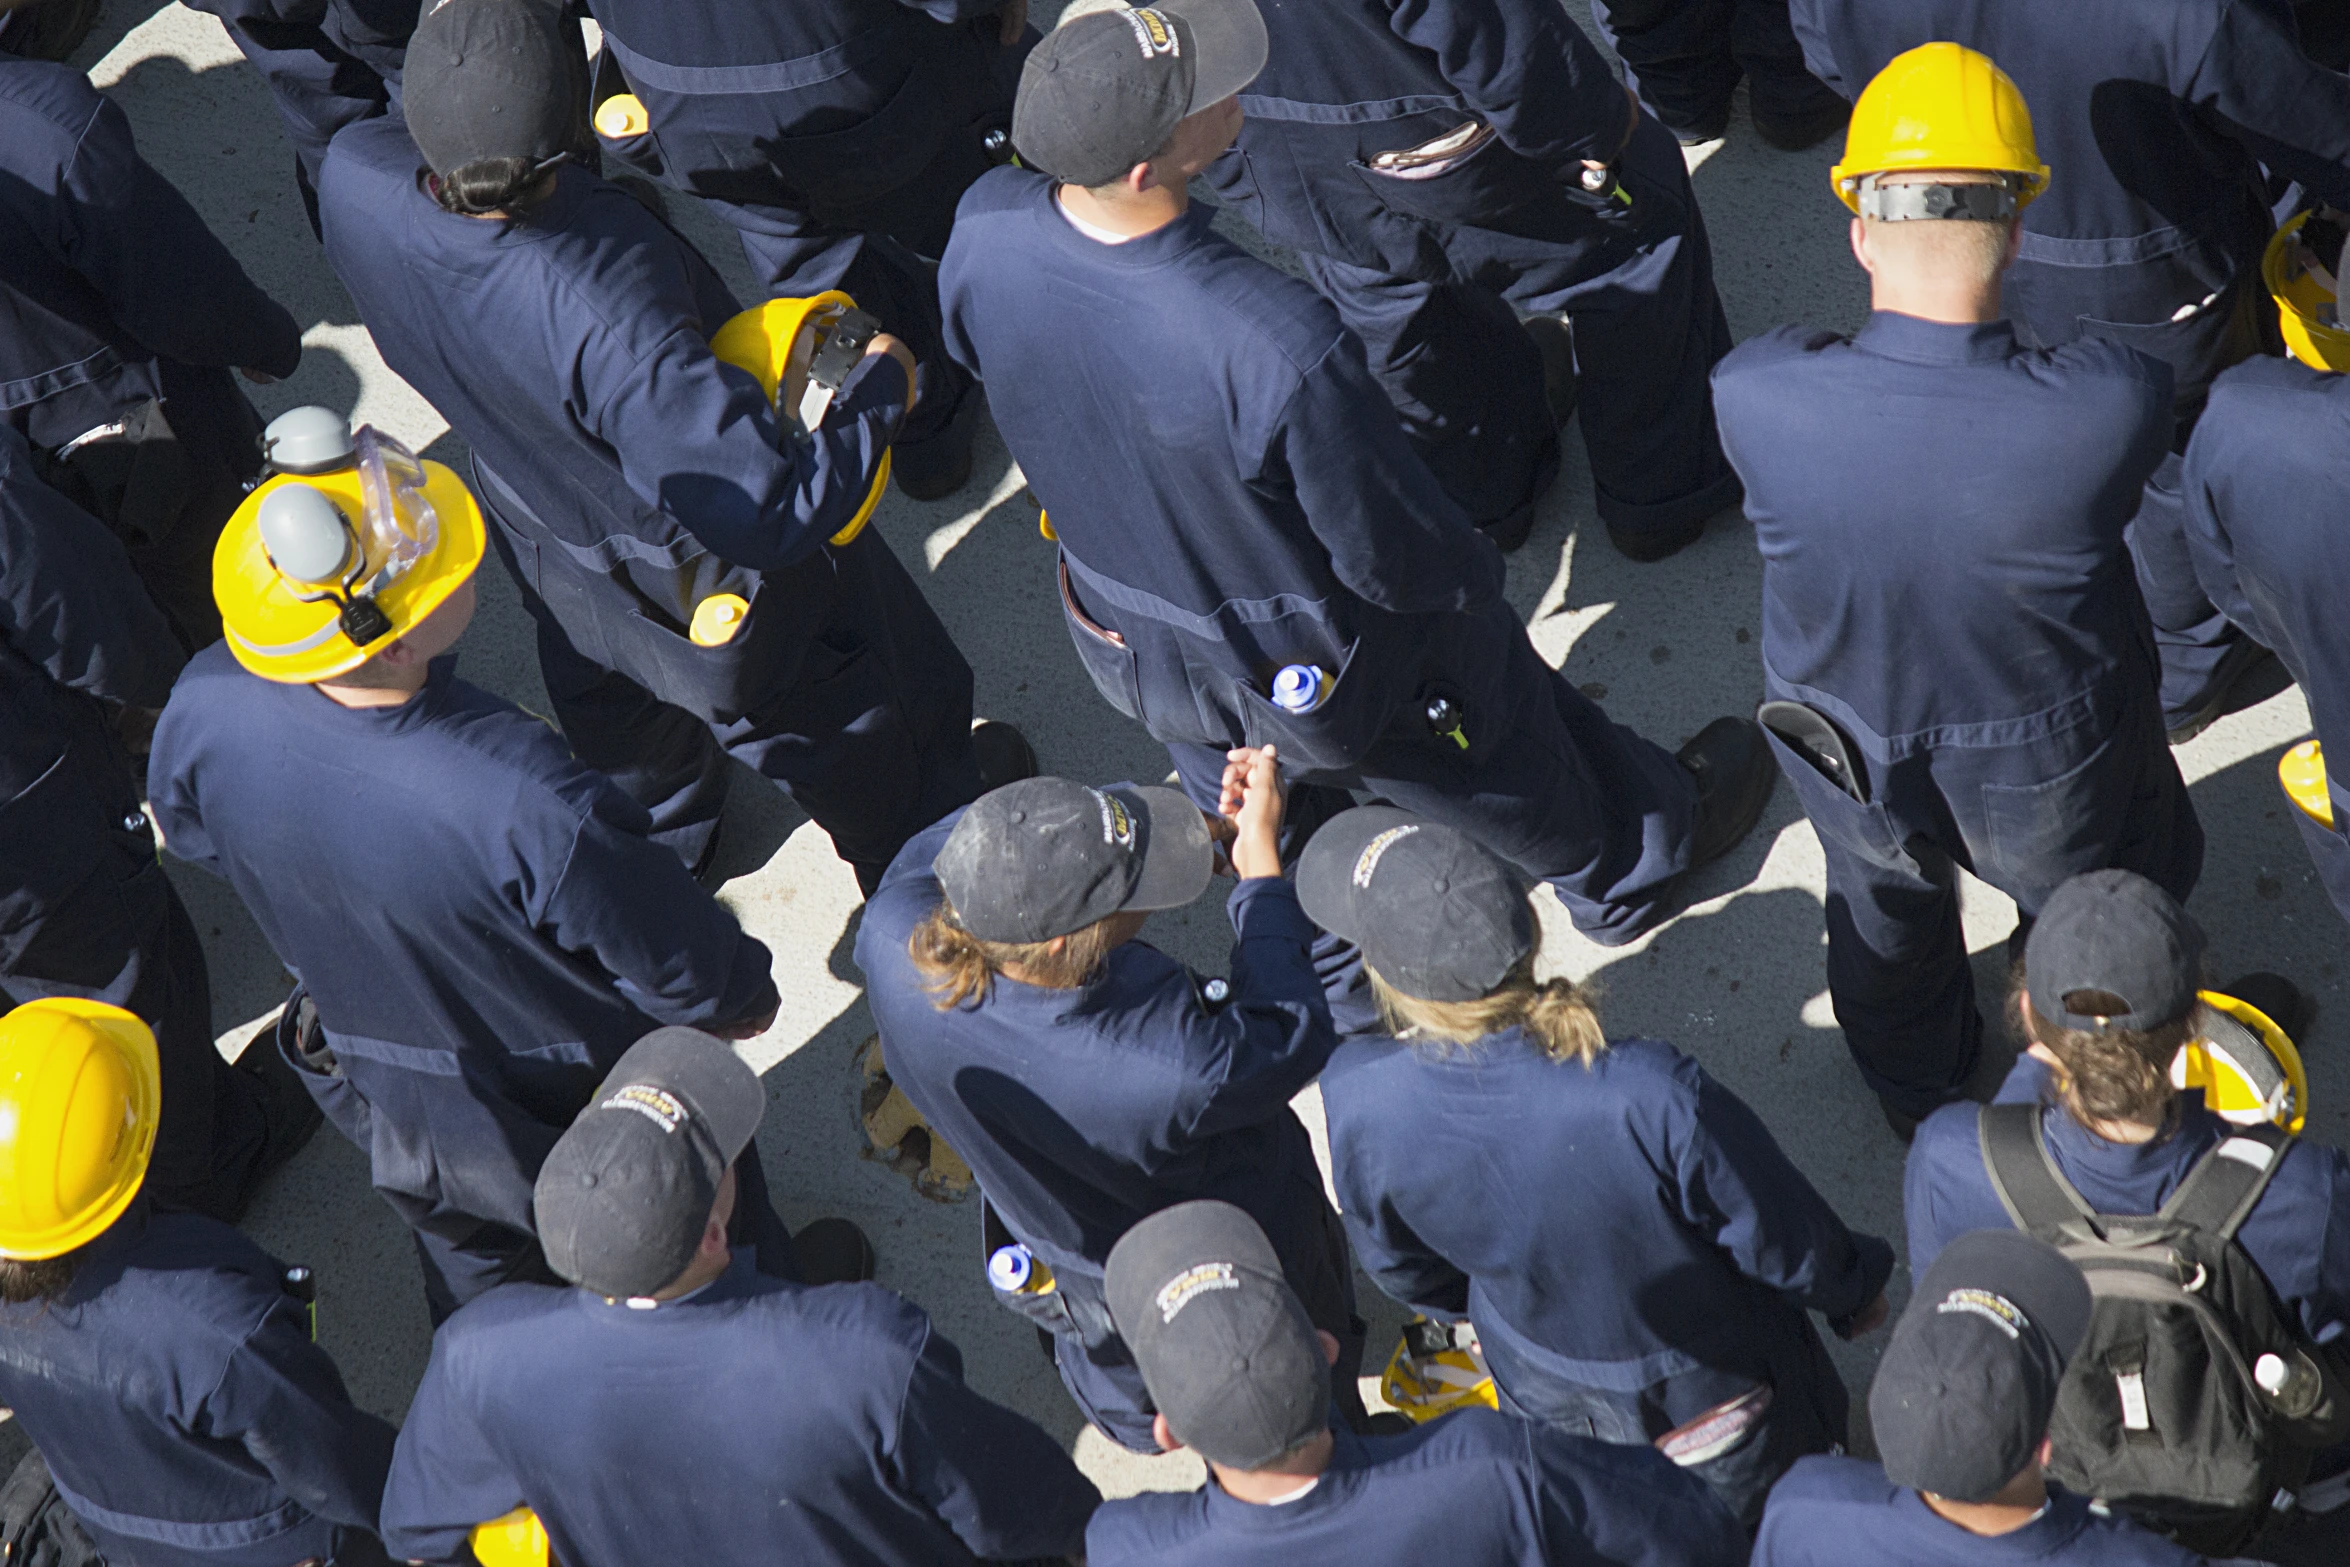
{"points": [[1737, 981]]}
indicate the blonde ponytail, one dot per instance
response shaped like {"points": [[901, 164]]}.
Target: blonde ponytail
{"points": [[1557, 1014]]}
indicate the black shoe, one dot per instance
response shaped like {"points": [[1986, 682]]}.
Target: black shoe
{"points": [[54, 29], [289, 1116], [1735, 774], [1555, 340], [1694, 133], [1648, 545], [2235, 665], [1807, 128], [1902, 1123], [1005, 756], [832, 1251], [1512, 531], [2280, 1000], [937, 466]]}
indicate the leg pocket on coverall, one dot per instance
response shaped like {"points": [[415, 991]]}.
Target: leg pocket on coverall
{"points": [[1104, 653], [2037, 835], [1865, 830]]}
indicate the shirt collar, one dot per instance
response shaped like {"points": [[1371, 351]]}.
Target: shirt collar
{"points": [[1896, 336], [1143, 250]]}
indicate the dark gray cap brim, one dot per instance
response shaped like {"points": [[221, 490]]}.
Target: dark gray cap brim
{"points": [[1230, 43], [1178, 857]]}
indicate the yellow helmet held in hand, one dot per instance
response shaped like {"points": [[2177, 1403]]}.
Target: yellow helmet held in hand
{"points": [[516, 1540], [2304, 305], [2248, 1069], [1940, 107], [351, 543], [80, 1091], [783, 343]]}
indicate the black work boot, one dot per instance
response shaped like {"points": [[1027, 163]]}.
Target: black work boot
{"points": [[1004, 754], [832, 1251], [1555, 340], [2236, 665], [1735, 774], [2280, 1000]]}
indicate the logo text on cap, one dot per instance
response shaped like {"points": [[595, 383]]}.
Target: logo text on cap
{"points": [[1152, 32], [1187, 1286], [658, 1105], [1368, 861], [1997, 1310]]}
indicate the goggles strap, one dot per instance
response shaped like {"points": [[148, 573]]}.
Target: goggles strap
{"points": [[1969, 203]]}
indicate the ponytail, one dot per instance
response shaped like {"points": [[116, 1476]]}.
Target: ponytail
{"points": [[509, 185], [960, 969], [1557, 1014]]}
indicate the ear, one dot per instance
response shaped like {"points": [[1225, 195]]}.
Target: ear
{"points": [[2015, 241], [1138, 179], [1860, 246], [2047, 1453], [1164, 1434], [1329, 1345], [2045, 1056], [1057, 946]]}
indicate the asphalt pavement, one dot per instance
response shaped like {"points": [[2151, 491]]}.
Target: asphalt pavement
{"points": [[1737, 980]]}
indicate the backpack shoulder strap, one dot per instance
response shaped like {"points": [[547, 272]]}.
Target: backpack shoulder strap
{"points": [[2219, 1193], [2031, 1188]]}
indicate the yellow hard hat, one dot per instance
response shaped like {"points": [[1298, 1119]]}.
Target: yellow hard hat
{"points": [[516, 1540], [2302, 303], [1940, 106], [777, 342], [1433, 1373], [80, 1090], [316, 568], [2248, 1069], [2302, 770]]}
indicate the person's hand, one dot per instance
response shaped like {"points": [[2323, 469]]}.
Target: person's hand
{"points": [[751, 1029], [1220, 835], [1013, 21], [257, 377], [886, 343], [1252, 798], [1872, 1317]]}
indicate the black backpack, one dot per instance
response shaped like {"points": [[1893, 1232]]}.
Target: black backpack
{"points": [[2162, 1414]]}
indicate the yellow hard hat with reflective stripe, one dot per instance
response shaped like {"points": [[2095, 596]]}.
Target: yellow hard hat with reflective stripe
{"points": [[516, 1540], [80, 1090], [776, 342], [1940, 107], [2248, 1070], [1432, 1373], [2303, 303], [388, 533]]}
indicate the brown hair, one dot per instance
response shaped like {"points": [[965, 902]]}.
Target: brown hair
{"points": [[1558, 1013], [960, 969], [2111, 1074], [23, 1280]]}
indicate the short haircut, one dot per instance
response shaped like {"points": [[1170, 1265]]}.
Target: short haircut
{"points": [[1963, 249]]}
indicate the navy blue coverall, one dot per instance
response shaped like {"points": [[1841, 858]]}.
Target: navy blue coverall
{"points": [[482, 925], [1472, 1487], [631, 475], [2265, 480], [1685, 58], [1433, 273], [751, 1421], [1830, 1512], [85, 908], [836, 136], [185, 1415], [1941, 515], [328, 63], [2157, 120], [1675, 1279], [114, 295], [1085, 1111], [1248, 505]]}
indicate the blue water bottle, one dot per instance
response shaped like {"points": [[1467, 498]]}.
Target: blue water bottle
{"points": [[1015, 1270], [1300, 688]]}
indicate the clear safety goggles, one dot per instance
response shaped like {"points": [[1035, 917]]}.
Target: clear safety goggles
{"points": [[397, 526]]}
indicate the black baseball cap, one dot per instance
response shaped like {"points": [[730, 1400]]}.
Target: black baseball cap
{"points": [[1043, 857], [1104, 91], [1969, 1379], [1438, 916], [491, 79], [1223, 1344], [2113, 932], [624, 1196]]}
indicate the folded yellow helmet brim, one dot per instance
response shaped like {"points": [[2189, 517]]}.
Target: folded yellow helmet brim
{"points": [[761, 340], [2301, 304]]}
